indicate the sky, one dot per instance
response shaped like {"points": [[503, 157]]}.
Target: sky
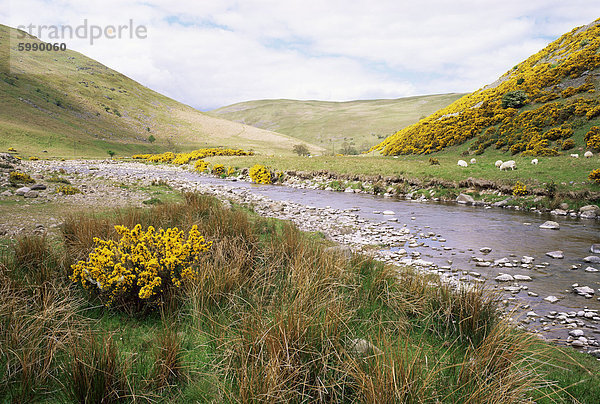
{"points": [[211, 53]]}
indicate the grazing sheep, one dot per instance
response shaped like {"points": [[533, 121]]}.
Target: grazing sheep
{"points": [[473, 161], [498, 163], [534, 161], [575, 156], [588, 154], [462, 163], [508, 164]]}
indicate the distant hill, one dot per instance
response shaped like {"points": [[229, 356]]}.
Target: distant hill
{"points": [[327, 124], [542, 107], [73, 106]]}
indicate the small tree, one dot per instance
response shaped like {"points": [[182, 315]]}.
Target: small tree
{"points": [[151, 138], [514, 99], [301, 150], [111, 153]]}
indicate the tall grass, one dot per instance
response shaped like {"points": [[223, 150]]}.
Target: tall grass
{"points": [[272, 317]]}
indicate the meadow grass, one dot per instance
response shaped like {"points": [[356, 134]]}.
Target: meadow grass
{"points": [[272, 317]]}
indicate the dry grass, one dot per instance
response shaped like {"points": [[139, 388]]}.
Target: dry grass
{"points": [[272, 318]]}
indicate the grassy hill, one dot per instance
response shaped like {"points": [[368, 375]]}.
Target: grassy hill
{"points": [[73, 106], [543, 106], [329, 124]]}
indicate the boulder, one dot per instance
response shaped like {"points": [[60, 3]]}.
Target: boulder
{"points": [[583, 290], [504, 278], [522, 278], [589, 211], [38, 187], [22, 191], [595, 248], [527, 260], [465, 199], [362, 347], [551, 299], [556, 254], [340, 250], [502, 203], [592, 259], [31, 194], [550, 225]]}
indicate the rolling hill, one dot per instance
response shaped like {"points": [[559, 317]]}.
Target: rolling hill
{"points": [[72, 106], [543, 106], [363, 123]]}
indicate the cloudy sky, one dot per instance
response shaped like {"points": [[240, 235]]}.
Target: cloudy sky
{"points": [[211, 53]]}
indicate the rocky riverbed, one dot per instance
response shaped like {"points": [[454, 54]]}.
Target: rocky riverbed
{"points": [[532, 290]]}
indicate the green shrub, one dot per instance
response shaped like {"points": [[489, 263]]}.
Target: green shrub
{"points": [[514, 99]]}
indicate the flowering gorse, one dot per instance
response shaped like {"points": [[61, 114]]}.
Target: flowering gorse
{"points": [[260, 174], [142, 266]]}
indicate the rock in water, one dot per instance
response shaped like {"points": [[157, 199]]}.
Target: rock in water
{"points": [[592, 259], [556, 254], [551, 299], [504, 278], [465, 199], [550, 225], [389, 212], [595, 248]]}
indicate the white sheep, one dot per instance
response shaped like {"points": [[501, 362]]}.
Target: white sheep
{"points": [[508, 164], [473, 161], [534, 161], [498, 163], [575, 156], [588, 154], [462, 163]]}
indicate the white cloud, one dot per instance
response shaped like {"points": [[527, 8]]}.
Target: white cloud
{"points": [[214, 53]]}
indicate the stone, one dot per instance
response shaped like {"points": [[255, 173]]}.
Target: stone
{"points": [[31, 194], [276, 207], [340, 250], [465, 199], [527, 260], [592, 259], [551, 299], [564, 206], [595, 249], [576, 333], [559, 212], [591, 269], [501, 261], [388, 212], [38, 187], [550, 225], [362, 347], [22, 191], [6, 193], [502, 203], [556, 254], [583, 290], [485, 250], [590, 208], [577, 343], [504, 278], [522, 278]]}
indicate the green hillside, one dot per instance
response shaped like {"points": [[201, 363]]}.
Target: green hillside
{"points": [[329, 124], [72, 106], [544, 106]]}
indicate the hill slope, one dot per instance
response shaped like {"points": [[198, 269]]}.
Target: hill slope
{"points": [[542, 106], [323, 123], [71, 105]]}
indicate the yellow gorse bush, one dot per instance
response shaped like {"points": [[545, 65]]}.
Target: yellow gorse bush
{"points": [[218, 169], [260, 174], [17, 177], [184, 158], [142, 266], [595, 176], [519, 189], [200, 165]]}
